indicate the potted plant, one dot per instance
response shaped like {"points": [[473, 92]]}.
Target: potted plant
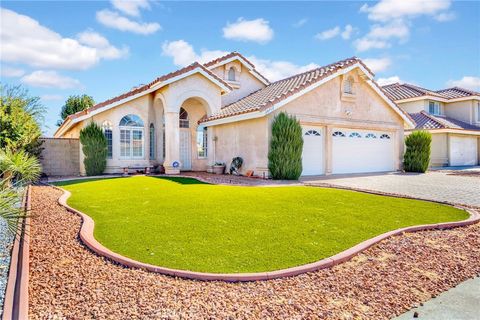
{"points": [[219, 167]]}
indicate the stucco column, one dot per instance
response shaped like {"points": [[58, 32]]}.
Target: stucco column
{"points": [[328, 150], [172, 143]]}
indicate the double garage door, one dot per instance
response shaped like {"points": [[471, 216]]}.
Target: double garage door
{"points": [[353, 151]]}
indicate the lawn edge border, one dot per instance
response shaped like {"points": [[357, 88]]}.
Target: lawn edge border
{"points": [[87, 237], [15, 304]]}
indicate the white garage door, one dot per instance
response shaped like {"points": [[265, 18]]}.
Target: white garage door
{"points": [[312, 155], [358, 151], [463, 151]]}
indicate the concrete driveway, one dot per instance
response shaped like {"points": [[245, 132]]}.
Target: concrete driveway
{"points": [[455, 186]]}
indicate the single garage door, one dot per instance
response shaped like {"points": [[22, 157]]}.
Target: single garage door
{"points": [[312, 155], [358, 151], [463, 151]]}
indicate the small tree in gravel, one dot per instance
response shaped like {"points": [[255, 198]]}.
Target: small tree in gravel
{"points": [[94, 146], [417, 156], [285, 154]]}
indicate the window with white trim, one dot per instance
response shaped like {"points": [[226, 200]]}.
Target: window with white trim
{"points": [[434, 107], [131, 137], [107, 131], [183, 121], [202, 142], [338, 134], [163, 136], [385, 136], [231, 74], [371, 136], [312, 133], [354, 135], [152, 141]]}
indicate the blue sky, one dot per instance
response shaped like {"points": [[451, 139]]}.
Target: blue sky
{"points": [[105, 48]]}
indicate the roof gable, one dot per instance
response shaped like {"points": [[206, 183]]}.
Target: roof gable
{"points": [[283, 91]]}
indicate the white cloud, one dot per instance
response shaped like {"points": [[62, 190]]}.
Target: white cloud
{"points": [[28, 42], [377, 65], [393, 20], [336, 31], [49, 79], [445, 16], [99, 42], [51, 97], [387, 10], [278, 69], [184, 54], [328, 34], [300, 23], [364, 44], [257, 30], [9, 72], [116, 21], [467, 82], [389, 80], [130, 7], [347, 32]]}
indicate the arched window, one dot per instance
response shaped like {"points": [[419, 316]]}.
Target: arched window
{"points": [[348, 85], [131, 137], [312, 133], [107, 131], [355, 135], [202, 139], [184, 123], [385, 136], [338, 134], [231, 74], [371, 136], [152, 141]]}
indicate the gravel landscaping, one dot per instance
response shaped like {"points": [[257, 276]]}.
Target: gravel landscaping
{"points": [[67, 280], [6, 244]]}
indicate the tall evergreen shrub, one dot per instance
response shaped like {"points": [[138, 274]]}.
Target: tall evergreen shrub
{"points": [[94, 146], [285, 154], [417, 156]]}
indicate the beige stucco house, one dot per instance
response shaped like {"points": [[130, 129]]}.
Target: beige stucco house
{"points": [[213, 112], [451, 115]]}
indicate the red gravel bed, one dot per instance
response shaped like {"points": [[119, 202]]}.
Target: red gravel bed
{"points": [[69, 281]]}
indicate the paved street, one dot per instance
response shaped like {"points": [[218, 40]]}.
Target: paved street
{"points": [[443, 185]]}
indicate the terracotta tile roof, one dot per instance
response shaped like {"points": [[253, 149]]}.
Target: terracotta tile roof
{"points": [[148, 86], [282, 89], [231, 55], [456, 92], [400, 91], [425, 121]]}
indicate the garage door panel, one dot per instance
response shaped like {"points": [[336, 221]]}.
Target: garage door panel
{"points": [[313, 151], [358, 151], [463, 151]]}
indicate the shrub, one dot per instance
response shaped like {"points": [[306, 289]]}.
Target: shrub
{"points": [[94, 146], [417, 156], [285, 154], [18, 167]]}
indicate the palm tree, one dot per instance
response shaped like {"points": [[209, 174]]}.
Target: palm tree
{"points": [[18, 167]]}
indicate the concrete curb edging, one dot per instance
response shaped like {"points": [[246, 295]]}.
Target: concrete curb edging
{"points": [[16, 294], [87, 237]]}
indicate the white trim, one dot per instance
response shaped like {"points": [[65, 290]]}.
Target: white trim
{"points": [[430, 97], [455, 131], [66, 125], [280, 104]]}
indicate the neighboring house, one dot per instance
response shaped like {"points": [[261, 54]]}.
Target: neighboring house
{"points": [[213, 112], [451, 115]]}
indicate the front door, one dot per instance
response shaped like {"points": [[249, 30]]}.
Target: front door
{"points": [[185, 150]]}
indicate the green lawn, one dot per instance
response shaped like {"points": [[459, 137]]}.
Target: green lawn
{"points": [[185, 224]]}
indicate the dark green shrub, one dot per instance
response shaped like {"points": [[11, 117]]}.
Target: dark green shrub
{"points": [[417, 156], [94, 146], [285, 154]]}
